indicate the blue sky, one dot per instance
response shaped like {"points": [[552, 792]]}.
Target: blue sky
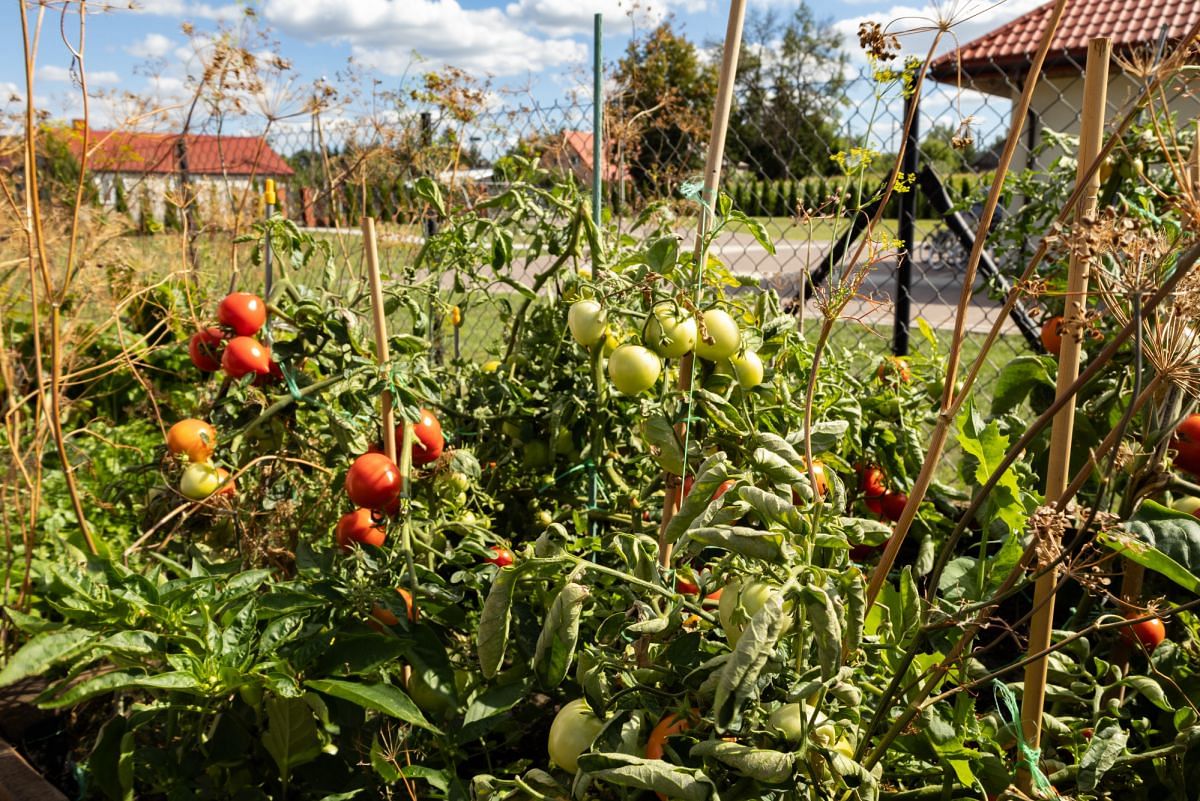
{"points": [[541, 47]]}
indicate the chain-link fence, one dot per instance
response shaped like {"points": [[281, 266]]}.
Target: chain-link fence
{"points": [[791, 162]]}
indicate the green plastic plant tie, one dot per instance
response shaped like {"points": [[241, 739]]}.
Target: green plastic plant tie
{"points": [[586, 465], [1030, 757]]}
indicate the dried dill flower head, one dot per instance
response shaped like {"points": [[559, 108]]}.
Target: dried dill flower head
{"points": [[877, 43], [1131, 262]]}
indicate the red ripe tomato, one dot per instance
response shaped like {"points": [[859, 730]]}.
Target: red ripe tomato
{"points": [[359, 526], [205, 349], [1186, 443], [243, 312], [1052, 334], [428, 441], [1149, 633], [822, 481], [503, 558], [686, 587], [244, 356], [872, 481], [725, 486], [374, 481], [893, 505], [861, 553], [1189, 431], [875, 505], [273, 375]]}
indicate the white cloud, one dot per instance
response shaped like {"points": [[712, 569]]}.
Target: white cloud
{"points": [[573, 18], [186, 10], [153, 45], [383, 34], [52, 72]]}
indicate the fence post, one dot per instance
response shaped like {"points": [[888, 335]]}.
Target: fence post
{"points": [[906, 230], [268, 271]]}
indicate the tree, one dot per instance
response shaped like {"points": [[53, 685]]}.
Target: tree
{"points": [[663, 108], [938, 149], [789, 89]]}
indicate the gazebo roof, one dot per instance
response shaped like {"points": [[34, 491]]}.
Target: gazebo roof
{"points": [[1006, 52]]}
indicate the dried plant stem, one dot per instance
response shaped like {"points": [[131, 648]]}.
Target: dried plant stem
{"points": [[1091, 136], [39, 257], [950, 404], [983, 610]]}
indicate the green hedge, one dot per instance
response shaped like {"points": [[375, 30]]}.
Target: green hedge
{"points": [[784, 197]]}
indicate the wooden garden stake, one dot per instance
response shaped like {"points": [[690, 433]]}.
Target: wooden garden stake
{"points": [[387, 415], [1091, 134], [371, 250], [708, 200]]}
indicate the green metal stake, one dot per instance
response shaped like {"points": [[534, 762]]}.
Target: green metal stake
{"points": [[597, 117], [597, 184]]}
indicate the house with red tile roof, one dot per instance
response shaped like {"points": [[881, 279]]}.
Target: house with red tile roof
{"points": [[145, 171], [998, 62], [571, 152]]}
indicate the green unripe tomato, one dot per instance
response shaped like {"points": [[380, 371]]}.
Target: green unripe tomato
{"points": [[741, 601], [633, 369], [789, 719], [434, 697], [748, 368], [588, 322], [574, 729], [725, 334], [537, 454], [670, 331], [200, 479], [1188, 504], [564, 443]]}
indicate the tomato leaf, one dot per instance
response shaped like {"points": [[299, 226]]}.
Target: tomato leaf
{"points": [[1161, 539], [983, 441], [1107, 745], [760, 764], [697, 508], [665, 447], [826, 627], [739, 677], [1015, 380], [492, 638], [387, 699], [754, 544], [624, 770], [560, 634]]}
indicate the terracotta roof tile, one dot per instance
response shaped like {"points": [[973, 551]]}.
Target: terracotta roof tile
{"points": [[132, 152], [1128, 22]]}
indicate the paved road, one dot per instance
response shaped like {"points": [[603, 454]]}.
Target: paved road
{"points": [[934, 290]]}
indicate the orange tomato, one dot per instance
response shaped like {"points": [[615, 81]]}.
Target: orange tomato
{"points": [[194, 438], [1052, 334]]}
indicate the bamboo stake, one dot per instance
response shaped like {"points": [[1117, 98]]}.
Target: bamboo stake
{"points": [[708, 200], [1091, 134]]}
